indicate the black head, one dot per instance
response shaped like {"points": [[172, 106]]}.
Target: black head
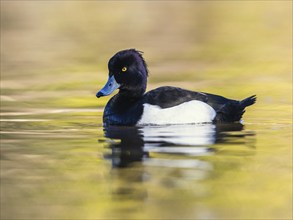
{"points": [[127, 72]]}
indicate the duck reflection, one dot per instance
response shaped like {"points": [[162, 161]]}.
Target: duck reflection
{"points": [[135, 144], [127, 147]]}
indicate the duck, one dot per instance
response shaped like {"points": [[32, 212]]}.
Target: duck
{"points": [[133, 106]]}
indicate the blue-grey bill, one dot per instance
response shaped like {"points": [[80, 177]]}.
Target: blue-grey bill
{"points": [[110, 87]]}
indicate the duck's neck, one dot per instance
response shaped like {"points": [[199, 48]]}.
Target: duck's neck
{"points": [[126, 99], [133, 91]]}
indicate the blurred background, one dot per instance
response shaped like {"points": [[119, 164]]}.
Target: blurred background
{"points": [[225, 47], [54, 57]]}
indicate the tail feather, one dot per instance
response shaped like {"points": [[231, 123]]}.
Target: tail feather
{"points": [[248, 101], [233, 111]]}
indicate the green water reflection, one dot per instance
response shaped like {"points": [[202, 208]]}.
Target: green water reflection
{"points": [[58, 162]]}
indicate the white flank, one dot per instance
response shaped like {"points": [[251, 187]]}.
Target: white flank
{"points": [[185, 113]]}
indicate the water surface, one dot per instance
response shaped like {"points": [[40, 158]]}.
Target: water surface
{"points": [[64, 164]]}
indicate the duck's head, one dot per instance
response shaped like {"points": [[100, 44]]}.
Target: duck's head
{"points": [[127, 72]]}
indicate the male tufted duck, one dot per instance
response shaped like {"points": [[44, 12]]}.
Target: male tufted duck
{"points": [[165, 105]]}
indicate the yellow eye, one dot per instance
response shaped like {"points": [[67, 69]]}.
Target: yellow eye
{"points": [[124, 69]]}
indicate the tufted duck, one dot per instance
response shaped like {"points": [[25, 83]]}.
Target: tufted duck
{"points": [[165, 105]]}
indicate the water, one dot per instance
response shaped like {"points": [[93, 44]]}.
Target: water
{"points": [[59, 162], [62, 164]]}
